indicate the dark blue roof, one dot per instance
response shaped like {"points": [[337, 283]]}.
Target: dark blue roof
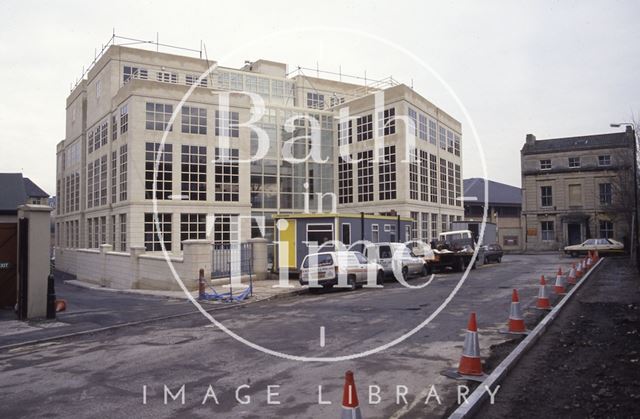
{"points": [[15, 190], [499, 193]]}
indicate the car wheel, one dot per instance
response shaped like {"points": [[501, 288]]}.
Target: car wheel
{"points": [[351, 281], [405, 273]]}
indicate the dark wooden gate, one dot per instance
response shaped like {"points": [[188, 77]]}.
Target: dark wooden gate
{"points": [[8, 260]]}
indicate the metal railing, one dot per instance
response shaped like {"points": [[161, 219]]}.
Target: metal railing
{"points": [[231, 259]]}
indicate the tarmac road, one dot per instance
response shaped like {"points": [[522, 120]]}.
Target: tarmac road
{"points": [[105, 374]]}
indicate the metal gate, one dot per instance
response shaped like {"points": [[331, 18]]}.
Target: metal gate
{"points": [[228, 259], [8, 260]]}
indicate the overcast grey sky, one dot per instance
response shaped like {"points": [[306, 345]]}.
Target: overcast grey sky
{"points": [[549, 68]]}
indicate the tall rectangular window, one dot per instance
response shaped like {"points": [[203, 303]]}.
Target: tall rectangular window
{"points": [[450, 141], [114, 176], [114, 128], [194, 120], [456, 144], [605, 193], [414, 225], [193, 227], [423, 127], [364, 127], [158, 116], [345, 181], [413, 122], [157, 234], [345, 132], [413, 174], [375, 233], [606, 229], [432, 131], [123, 172], [124, 119], [546, 230], [97, 170], [163, 172], [434, 226], [451, 182], [442, 137], [433, 178], [123, 232], [90, 185], [444, 218], [194, 173], [458, 180], [387, 122], [365, 176], [424, 176], [443, 181], [387, 174], [227, 124], [103, 231], [546, 196], [424, 227], [226, 175]]}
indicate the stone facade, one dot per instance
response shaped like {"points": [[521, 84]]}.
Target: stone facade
{"points": [[576, 188]]}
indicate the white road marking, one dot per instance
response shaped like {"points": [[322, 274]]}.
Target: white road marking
{"points": [[322, 336]]}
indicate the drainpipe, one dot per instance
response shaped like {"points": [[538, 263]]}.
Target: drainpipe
{"points": [[398, 230], [362, 226]]}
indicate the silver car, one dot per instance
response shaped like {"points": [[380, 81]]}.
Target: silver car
{"points": [[326, 268], [398, 255]]}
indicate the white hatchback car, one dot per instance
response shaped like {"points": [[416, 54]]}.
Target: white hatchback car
{"points": [[398, 255], [327, 268]]}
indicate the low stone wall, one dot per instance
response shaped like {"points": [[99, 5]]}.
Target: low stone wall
{"points": [[140, 270]]}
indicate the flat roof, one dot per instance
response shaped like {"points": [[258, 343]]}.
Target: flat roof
{"points": [[348, 215]]}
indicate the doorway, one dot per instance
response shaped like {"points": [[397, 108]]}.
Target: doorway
{"points": [[8, 260], [574, 233]]}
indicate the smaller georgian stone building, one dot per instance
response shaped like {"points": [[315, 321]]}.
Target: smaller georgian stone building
{"points": [[576, 188]]}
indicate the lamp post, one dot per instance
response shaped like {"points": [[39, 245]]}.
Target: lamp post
{"points": [[634, 241]]}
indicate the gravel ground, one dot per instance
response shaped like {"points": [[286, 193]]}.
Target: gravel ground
{"points": [[587, 364]]}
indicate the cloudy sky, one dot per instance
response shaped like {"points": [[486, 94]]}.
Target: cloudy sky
{"points": [[549, 68]]}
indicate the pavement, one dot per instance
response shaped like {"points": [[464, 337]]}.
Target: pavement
{"points": [[124, 371], [587, 363], [91, 307]]}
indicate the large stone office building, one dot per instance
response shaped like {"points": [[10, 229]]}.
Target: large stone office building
{"points": [[117, 117], [576, 188]]}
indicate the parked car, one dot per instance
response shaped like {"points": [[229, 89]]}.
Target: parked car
{"points": [[601, 245], [386, 254], [327, 267], [492, 253]]}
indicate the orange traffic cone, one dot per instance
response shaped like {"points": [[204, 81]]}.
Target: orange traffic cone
{"points": [[516, 321], [596, 256], [571, 279], [470, 361], [579, 270], [584, 265], [543, 296], [61, 305], [470, 367], [559, 287], [589, 260], [350, 404]]}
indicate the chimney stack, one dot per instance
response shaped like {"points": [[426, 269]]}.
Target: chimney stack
{"points": [[531, 139]]}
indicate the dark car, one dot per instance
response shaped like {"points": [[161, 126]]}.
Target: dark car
{"points": [[493, 253]]}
